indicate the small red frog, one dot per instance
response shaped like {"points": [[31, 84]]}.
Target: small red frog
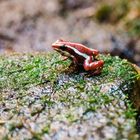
{"points": [[81, 55]]}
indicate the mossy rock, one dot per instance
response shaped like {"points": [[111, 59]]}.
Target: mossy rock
{"points": [[42, 98]]}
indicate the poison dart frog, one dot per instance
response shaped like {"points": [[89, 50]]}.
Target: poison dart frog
{"points": [[82, 56]]}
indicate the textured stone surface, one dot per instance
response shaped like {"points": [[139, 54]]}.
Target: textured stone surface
{"points": [[42, 98]]}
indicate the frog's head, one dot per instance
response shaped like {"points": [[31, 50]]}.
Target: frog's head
{"points": [[59, 45], [62, 48]]}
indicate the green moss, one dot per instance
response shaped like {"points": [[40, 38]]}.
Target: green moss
{"points": [[29, 71], [13, 126], [46, 129]]}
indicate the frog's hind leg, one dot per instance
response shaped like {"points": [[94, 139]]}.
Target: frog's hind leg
{"points": [[93, 67], [96, 72]]}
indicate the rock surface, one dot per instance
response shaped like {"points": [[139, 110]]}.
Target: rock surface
{"points": [[42, 98]]}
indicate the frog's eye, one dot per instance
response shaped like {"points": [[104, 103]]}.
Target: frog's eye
{"points": [[63, 48]]}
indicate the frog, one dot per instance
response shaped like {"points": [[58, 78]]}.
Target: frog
{"points": [[82, 56]]}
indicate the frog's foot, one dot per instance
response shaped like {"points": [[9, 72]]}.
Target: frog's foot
{"points": [[96, 72], [64, 58]]}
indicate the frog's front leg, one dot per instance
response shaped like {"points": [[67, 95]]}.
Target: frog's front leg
{"points": [[91, 66]]}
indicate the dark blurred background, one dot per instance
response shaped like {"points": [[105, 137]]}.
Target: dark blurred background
{"points": [[111, 26]]}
